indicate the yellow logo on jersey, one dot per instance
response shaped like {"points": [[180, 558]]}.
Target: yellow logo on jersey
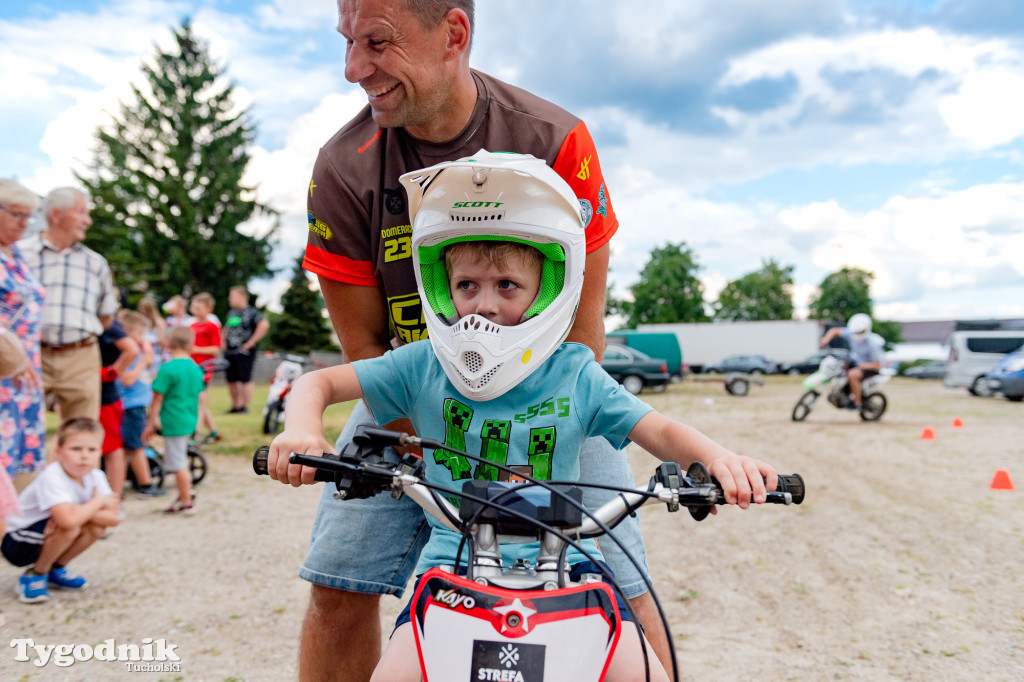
{"points": [[318, 227], [584, 173], [407, 317], [311, 187]]}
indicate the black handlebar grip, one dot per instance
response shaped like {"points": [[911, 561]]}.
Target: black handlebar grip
{"points": [[259, 460], [259, 463], [792, 484]]}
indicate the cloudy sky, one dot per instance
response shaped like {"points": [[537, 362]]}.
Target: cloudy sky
{"points": [[886, 134]]}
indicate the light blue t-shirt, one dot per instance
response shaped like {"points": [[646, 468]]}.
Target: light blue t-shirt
{"points": [[140, 393], [866, 349], [537, 427]]}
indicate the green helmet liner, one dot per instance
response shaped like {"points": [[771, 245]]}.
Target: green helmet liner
{"points": [[435, 277]]}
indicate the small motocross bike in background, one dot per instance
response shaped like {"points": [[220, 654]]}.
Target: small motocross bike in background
{"points": [[287, 372], [831, 380], [530, 621]]}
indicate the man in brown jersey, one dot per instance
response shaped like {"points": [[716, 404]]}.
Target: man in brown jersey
{"points": [[426, 105]]}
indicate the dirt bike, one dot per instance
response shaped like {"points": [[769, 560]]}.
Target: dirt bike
{"points": [[831, 380], [285, 375], [485, 622]]}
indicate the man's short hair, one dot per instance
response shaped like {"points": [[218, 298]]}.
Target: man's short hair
{"points": [[12, 192], [78, 425], [430, 12], [181, 338], [62, 199]]}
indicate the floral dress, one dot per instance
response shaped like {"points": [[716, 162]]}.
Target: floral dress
{"points": [[22, 414]]}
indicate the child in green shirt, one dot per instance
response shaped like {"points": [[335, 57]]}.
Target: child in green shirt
{"points": [[175, 406]]}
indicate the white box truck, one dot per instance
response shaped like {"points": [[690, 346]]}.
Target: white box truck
{"points": [[708, 342]]}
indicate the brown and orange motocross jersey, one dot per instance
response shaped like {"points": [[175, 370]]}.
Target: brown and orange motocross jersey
{"points": [[359, 226]]}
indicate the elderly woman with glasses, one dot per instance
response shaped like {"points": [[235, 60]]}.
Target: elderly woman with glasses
{"points": [[22, 415]]}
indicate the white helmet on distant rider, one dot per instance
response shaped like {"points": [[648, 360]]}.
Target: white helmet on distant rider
{"points": [[496, 197], [859, 325]]}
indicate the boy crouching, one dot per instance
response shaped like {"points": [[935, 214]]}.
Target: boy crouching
{"points": [[65, 509]]}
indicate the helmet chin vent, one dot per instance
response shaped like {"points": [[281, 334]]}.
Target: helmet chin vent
{"points": [[477, 384], [472, 361]]}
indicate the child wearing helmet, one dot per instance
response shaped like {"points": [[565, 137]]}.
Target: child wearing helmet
{"points": [[498, 245], [866, 352]]}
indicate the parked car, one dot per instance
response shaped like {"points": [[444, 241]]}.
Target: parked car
{"points": [[975, 353], [747, 364], [809, 365], [655, 344], [933, 369], [1008, 377], [633, 369]]}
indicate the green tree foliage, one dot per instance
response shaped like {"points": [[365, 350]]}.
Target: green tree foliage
{"points": [[842, 294], [766, 294], [300, 328], [847, 292], [166, 183], [889, 330], [668, 290]]}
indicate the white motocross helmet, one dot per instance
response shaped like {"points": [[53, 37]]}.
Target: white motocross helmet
{"points": [[496, 196], [859, 325]]}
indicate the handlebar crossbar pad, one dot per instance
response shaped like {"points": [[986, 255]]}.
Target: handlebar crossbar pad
{"points": [[533, 501]]}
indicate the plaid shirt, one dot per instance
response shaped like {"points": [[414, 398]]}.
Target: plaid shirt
{"points": [[79, 289]]}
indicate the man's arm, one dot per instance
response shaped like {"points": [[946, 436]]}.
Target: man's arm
{"points": [[262, 327], [588, 328], [360, 320]]}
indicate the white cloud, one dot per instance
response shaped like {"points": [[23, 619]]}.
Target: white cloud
{"points": [[283, 174], [296, 14], [914, 122], [988, 110]]}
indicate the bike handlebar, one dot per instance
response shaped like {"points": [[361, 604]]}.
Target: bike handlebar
{"points": [[367, 467]]}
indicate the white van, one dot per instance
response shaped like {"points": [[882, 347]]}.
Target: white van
{"points": [[973, 353]]}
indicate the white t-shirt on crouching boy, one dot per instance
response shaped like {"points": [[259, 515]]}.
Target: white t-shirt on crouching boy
{"points": [[52, 487]]}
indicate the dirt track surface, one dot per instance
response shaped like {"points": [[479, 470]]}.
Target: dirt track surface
{"points": [[902, 564]]}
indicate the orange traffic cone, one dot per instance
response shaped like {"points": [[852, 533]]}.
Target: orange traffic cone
{"points": [[928, 433], [1001, 481], [957, 422]]}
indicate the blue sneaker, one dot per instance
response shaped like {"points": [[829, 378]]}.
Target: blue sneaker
{"points": [[32, 589], [59, 577]]}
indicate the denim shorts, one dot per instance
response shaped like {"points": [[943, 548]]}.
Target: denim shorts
{"points": [[371, 546], [132, 424]]}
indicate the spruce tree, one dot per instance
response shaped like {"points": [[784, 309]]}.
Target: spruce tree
{"points": [[301, 327], [166, 182]]}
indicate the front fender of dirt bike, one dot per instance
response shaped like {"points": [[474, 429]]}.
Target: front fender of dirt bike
{"points": [[467, 631]]}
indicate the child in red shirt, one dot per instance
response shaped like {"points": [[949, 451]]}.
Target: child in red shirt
{"points": [[207, 345]]}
